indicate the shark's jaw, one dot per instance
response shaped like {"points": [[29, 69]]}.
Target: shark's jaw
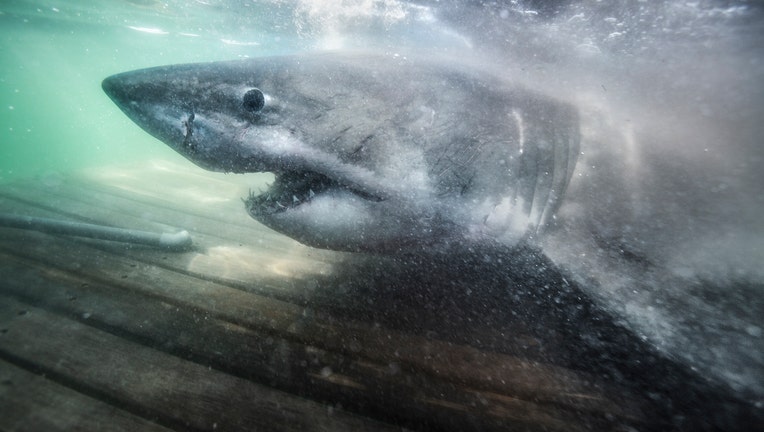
{"points": [[292, 189]]}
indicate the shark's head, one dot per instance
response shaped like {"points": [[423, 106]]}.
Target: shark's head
{"points": [[375, 153]]}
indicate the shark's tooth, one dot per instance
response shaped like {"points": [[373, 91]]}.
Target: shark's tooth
{"points": [[311, 194], [295, 200]]}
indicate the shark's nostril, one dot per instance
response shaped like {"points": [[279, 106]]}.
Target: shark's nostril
{"points": [[189, 125]]}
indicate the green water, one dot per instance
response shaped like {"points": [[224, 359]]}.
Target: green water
{"points": [[53, 55], [54, 116]]}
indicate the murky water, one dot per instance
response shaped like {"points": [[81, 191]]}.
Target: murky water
{"points": [[671, 96]]}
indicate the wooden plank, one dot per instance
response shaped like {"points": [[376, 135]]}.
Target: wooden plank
{"points": [[220, 254], [243, 266], [348, 287], [111, 206], [385, 391], [178, 393], [469, 367], [217, 281], [31, 402], [283, 274], [91, 203], [287, 274]]}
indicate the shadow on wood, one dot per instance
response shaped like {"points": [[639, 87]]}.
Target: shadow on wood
{"points": [[516, 302]]}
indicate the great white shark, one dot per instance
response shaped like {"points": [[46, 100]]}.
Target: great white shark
{"points": [[370, 152], [403, 154]]}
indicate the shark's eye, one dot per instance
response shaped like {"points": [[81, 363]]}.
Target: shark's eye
{"points": [[253, 100]]}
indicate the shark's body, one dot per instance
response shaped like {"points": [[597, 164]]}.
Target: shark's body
{"points": [[389, 154], [370, 152]]}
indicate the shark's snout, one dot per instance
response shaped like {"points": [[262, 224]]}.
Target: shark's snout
{"points": [[114, 87], [108, 85]]}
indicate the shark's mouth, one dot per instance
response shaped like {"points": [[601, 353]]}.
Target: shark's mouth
{"points": [[291, 189]]}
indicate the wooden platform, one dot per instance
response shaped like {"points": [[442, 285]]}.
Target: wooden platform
{"points": [[251, 330]]}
